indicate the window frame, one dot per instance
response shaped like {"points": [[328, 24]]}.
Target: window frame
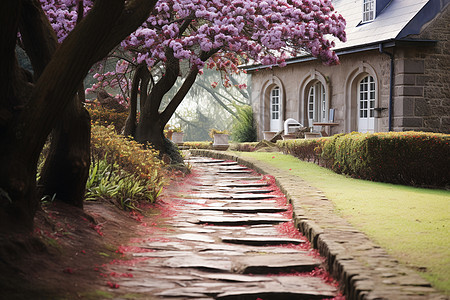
{"points": [[317, 103], [366, 97], [369, 10], [276, 112]]}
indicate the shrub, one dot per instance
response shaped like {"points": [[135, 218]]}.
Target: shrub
{"points": [[131, 166], [304, 149], [244, 125], [198, 145], [412, 158], [106, 117], [244, 147]]}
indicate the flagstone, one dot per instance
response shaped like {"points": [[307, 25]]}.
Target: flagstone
{"points": [[238, 220], [261, 241], [246, 209], [237, 277], [195, 237], [208, 161], [252, 196], [210, 196], [235, 171], [217, 263], [276, 263]]}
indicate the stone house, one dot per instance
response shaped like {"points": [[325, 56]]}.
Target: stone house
{"points": [[394, 74]]}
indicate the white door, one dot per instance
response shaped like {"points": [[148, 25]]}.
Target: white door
{"points": [[275, 109], [366, 105]]}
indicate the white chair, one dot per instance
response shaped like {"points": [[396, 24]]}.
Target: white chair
{"points": [[291, 125]]}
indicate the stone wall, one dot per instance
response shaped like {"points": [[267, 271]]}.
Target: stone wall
{"points": [[295, 77], [423, 80]]}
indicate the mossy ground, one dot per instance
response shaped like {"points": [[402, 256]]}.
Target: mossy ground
{"points": [[412, 224]]}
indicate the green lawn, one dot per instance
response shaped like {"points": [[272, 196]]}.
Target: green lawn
{"points": [[412, 224]]}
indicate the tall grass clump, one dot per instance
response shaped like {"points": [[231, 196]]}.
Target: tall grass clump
{"points": [[244, 125], [122, 170]]}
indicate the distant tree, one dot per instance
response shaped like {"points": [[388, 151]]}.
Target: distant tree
{"points": [[30, 107]]}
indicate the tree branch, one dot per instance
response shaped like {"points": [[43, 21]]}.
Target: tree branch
{"points": [[185, 87], [211, 91], [133, 15], [58, 83], [38, 36], [164, 84]]}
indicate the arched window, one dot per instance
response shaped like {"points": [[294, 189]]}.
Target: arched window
{"points": [[366, 104], [275, 109], [317, 103]]}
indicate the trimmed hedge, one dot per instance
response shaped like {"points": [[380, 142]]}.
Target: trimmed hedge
{"points": [[198, 145], [411, 158], [304, 149], [244, 147]]}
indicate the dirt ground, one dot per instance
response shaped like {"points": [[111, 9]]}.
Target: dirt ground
{"points": [[63, 258]]}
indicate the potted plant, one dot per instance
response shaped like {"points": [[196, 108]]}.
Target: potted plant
{"points": [[176, 134], [220, 139]]}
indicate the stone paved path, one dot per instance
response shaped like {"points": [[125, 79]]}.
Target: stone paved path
{"points": [[225, 233]]}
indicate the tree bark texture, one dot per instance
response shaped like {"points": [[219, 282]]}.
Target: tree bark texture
{"points": [[66, 168]]}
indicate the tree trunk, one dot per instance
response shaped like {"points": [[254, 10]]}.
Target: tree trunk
{"points": [[25, 129], [138, 79], [151, 123], [66, 167], [150, 128]]}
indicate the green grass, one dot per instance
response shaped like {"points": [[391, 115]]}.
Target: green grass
{"points": [[412, 224]]}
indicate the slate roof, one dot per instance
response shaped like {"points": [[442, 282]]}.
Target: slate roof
{"points": [[388, 25]]}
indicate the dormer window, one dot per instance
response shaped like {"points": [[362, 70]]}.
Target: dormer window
{"points": [[368, 11]]}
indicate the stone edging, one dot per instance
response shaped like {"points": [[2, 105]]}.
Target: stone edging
{"points": [[364, 270]]}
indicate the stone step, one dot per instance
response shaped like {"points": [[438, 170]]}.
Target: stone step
{"points": [[228, 163], [231, 171], [243, 196], [261, 241], [238, 221], [275, 263], [231, 190], [206, 161], [240, 184], [251, 289], [252, 196], [247, 209], [234, 168]]}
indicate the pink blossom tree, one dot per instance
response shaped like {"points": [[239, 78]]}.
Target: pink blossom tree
{"points": [[181, 37], [31, 106]]}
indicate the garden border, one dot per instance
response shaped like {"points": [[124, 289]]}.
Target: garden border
{"points": [[364, 269]]}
